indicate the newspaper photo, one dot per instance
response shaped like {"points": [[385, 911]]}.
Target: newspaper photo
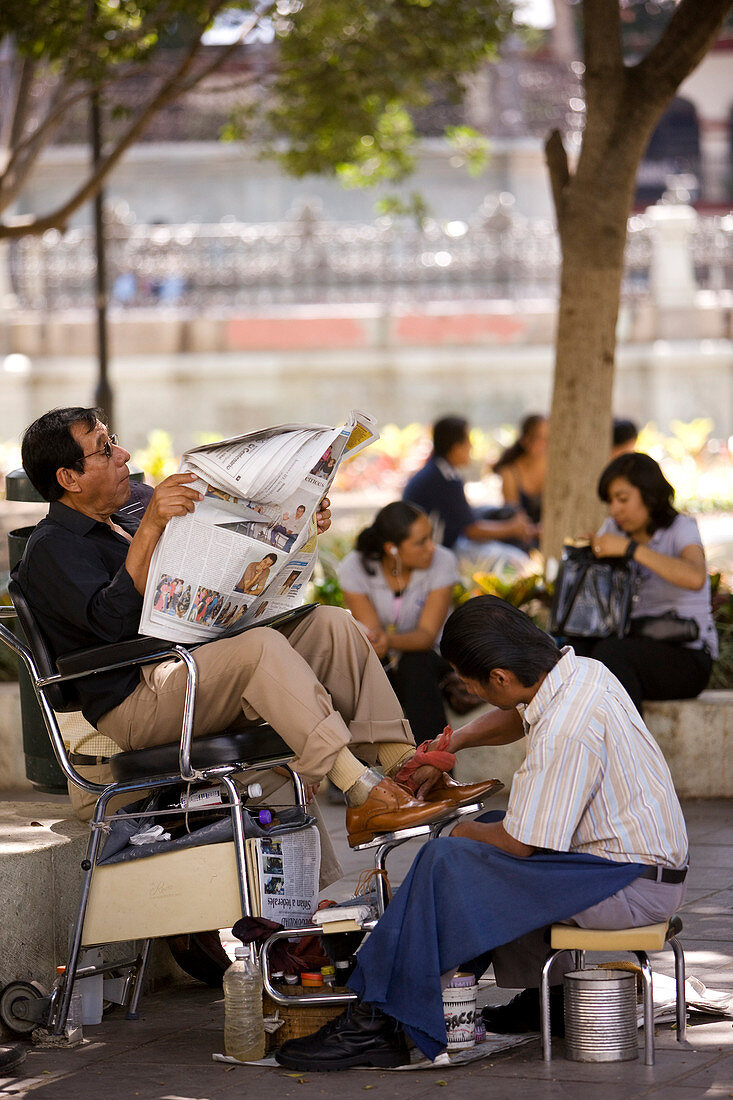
{"points": [[285, 870], [247, 551]]}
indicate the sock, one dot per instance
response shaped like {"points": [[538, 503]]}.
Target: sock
{"points": [[393, 754], [351, 777]]}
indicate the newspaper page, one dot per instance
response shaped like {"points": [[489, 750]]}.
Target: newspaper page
{"points": [[247, 551], [288, 872]]}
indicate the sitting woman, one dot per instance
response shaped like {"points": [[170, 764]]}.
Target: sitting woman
{"points": [[522, 468], [644, 526], [398, 584]]}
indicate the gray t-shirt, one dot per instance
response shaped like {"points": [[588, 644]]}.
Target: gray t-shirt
{"points": [[401, 612], [656, 596]]}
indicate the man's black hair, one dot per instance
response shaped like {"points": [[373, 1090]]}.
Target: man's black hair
{"points": [[487, 633], [48, 446], [646, 475], [624, 431], [447, 432]]}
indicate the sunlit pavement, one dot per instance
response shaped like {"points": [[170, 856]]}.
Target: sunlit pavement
{"points": [[166, 1054]]}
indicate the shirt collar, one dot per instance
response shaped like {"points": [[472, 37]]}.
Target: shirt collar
{"points": [[550, 686], [77, 522], [449, 472]]}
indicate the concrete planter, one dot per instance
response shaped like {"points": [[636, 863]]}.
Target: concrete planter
{"points": [[695, 735], [12, 758]]}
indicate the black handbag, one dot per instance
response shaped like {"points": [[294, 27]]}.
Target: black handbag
{"points": [[593, 596]]}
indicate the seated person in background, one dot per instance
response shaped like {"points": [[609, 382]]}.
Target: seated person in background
{"points": [[644, 526], [625, 435], [593, 832], [522, 468], [318, 683], [399, 585], [438, 489]]}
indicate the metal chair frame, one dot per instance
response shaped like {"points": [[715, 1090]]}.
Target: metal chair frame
{"points": [[674, 927], [47, 687]]}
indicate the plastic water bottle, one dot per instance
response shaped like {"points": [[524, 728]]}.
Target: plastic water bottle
{"points": [[244, 1029]]}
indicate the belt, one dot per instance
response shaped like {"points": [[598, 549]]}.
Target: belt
{"points": [[664, 874]]}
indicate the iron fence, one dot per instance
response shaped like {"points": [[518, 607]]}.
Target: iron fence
{"points": [[499, 254]]}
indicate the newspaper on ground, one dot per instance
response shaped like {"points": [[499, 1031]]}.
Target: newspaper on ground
{"points": [[247, 551]]}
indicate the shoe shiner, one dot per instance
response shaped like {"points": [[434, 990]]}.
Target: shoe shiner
{"points": [[593, 832]]}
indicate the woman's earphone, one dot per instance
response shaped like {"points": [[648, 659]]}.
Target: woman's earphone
{"points": [[394, 550]]}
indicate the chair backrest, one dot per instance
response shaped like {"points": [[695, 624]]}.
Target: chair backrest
{"points": [[60, 697]]}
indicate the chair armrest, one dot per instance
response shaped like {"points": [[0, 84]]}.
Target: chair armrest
{"points": [[96, 658]]}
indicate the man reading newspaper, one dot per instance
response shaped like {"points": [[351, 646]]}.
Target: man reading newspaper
{"points": [[317, 682]]}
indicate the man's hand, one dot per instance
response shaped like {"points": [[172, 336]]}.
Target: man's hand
{"points": [[173, 497], [425, 777], [323, 516], [492, 832]]}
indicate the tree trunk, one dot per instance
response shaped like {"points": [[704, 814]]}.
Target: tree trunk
{"points": [[623, 105], [582, 399]]}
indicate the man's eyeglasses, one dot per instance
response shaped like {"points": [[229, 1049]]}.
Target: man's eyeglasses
{"points": [[106, 450]]}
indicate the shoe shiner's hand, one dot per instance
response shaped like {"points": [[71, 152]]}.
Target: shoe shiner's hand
{"points": [[425, 777]]}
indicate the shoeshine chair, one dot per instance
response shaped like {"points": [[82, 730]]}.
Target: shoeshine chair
{"points": [[180, 891], [184, 890], [638, 941]]}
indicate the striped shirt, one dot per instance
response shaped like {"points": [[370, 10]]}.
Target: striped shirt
{"points": [[594, 779]]}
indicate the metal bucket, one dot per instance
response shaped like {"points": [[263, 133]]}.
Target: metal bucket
{"points": [[600, 1016]]}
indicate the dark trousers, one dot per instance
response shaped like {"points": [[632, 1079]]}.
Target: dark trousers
{"points": [[416, 682], [649, 669]]}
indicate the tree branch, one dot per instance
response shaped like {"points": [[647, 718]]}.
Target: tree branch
{"points": [[602, 51], [685, 41], [227, 51], [170, 88], [559, 170], [25, 152], [22, 99]]}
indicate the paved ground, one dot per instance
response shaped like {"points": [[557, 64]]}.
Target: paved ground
{"points": [[166, 1055]]}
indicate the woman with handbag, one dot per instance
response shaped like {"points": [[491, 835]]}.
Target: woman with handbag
{"points": [[671, 643], [399, 585]]}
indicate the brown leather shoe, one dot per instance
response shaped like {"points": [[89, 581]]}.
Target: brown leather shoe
{"points": [[390, 807], [461, 794]]}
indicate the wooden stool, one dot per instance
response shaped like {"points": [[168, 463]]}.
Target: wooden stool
{"points": [[649, 937]]}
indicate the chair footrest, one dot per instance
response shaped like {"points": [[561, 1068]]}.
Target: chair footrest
{"points": [[235, 746]]}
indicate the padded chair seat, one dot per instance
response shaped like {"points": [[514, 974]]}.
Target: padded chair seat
{"points": [[648, 937], [229, 747]]}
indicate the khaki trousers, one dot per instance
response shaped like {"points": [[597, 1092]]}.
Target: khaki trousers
{"points": [[318, 683]]}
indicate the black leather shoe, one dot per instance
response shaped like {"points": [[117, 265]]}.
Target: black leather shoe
{"points": [[522, 1013], [11, 1055], [360, 1036]]}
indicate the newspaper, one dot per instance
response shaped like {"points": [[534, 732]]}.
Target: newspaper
{"points": [[247, 551], [284, 871]]}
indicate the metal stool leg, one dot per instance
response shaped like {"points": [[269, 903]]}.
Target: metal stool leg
{"points": [[545, 1025], [646, 974], [679, 977]]}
